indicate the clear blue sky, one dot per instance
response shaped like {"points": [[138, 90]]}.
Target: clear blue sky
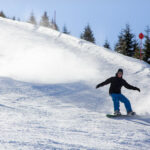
{"points": [[106, 17]]}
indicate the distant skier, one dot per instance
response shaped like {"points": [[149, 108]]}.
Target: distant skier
{"points": [[115, 92]]}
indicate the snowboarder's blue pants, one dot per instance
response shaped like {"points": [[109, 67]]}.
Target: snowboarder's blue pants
{"points": [[117, 98]]}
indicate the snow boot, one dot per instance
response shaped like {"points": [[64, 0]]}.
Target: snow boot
{"points": [[131, 113], [117, 113]]}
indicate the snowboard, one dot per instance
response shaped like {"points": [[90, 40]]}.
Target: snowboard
{"points": [[118, 116]]}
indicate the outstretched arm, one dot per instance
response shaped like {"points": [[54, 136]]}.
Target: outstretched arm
{"points": [[104, 83], [128, 86]]}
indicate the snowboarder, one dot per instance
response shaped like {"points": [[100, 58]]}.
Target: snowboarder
{"points": [[115, 92]]}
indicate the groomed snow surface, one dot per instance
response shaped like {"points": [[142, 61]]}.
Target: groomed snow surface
{"points": [[48, 99]]}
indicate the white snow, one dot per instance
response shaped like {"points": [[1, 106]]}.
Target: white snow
{"points": [[39, 55], [48, 98]]}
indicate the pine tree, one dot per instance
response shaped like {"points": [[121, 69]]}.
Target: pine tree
{"points": [[88, 34], [125, 42], [106, 44], [65, 30], [147, 45], [120, 46], [32, 19], [45, 20], [54, 25], [129, 41], [136, 49], [2, 14], [14, 18]]}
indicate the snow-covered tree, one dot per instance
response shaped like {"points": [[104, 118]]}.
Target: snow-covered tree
{"points": [[2, 14], [129, 37], [120, 46], [125, 42], [45, 20], [14, 18], [32, 19], [88, 34], [147, 45], [106, 44], [136, 49], [54, 25], [65, 30]]}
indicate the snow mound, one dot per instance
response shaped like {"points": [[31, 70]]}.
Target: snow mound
{"points": [[38, 54]]}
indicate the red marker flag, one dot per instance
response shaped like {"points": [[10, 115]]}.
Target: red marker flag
{"points": [[141, 36]]}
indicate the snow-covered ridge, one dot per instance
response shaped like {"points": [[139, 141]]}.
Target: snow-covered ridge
{"points": [[38, 54]]}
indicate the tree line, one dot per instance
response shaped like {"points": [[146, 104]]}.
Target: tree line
{"points": [[127, 43], [44, 21]]}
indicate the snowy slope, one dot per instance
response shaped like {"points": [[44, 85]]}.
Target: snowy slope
{"points": [[48, 98]]}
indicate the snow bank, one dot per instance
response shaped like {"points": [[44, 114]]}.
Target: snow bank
{"points": [[38, 55]]}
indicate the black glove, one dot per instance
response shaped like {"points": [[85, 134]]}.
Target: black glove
{"points": [[138, 89], [97, 86]]}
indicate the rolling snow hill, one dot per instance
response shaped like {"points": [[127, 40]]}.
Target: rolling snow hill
{"points": [[48, 98]]}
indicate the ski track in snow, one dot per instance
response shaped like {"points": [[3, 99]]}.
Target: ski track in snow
{"points": [[35, 116], [48, 99]]}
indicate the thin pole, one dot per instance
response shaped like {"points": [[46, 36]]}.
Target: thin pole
{"points": [[141, 50]]}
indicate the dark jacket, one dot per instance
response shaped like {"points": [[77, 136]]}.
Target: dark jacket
{"points": [[115, 85]]}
